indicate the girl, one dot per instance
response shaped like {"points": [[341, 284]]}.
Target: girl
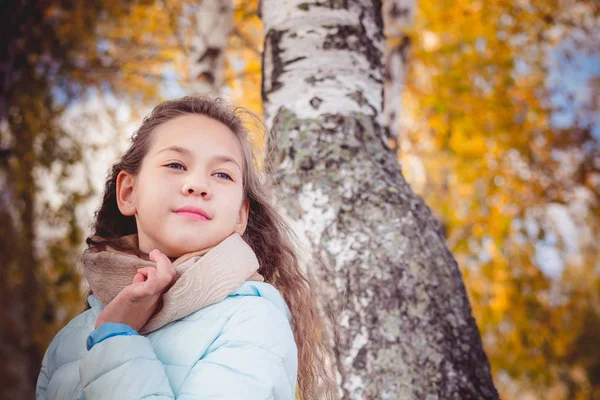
{"points": [[195, 287]]}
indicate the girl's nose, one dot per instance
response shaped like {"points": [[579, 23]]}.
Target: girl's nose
{"points": [[195, 188]]}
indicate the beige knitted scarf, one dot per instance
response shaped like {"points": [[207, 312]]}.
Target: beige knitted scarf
{"points": [[202, 278]]}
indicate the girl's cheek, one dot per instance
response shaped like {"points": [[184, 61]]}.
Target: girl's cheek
{"points": [[173, 184]]}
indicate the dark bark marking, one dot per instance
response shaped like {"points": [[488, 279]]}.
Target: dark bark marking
{"points": [[338, 4], [361, 100], [353, 38], [376, 79], [360, 361], [272, 46], [312, 80], [402, 49], [206, 76], [398, 12], [377, 16], [211, 52], [315, 102], [293, 60], [333, 4]]}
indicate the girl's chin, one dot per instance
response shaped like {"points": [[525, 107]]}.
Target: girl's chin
{"points": [[176, 251]]}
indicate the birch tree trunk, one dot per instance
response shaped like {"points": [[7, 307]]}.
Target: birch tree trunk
{"points": [[388, 284], [397, 15], [212, 24]]}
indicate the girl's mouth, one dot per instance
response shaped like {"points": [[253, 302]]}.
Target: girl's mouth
{"points": [[194, 213]]}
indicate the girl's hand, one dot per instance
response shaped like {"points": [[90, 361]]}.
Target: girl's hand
{"points": [[135, 304]]}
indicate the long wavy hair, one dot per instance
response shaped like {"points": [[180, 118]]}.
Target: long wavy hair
{"points": [[266, 233]]}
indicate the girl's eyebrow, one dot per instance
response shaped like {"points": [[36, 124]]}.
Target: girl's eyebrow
{"points": [[218, 158], [176, 149]]}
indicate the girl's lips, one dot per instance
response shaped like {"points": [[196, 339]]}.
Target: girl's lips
{"points": [[192, 215]]}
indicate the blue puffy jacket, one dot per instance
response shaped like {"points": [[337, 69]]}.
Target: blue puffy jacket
{"points": [[240, 348]]}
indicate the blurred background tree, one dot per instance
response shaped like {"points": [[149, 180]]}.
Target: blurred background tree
{"points": [[514, 177], [498, 131], [53, 55]]}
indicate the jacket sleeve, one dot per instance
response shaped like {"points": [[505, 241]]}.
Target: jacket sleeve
{"points": [[255, 357], [42, 382], [124, 367], [58, 377]]}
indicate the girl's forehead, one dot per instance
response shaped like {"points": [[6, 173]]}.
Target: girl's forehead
{"points": [[198, 134]]}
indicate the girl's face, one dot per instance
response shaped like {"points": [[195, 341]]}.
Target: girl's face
{"points": [[188, 194]]}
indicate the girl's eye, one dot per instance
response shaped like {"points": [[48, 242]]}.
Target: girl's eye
{"points": [[175, 165], [223, 175]]}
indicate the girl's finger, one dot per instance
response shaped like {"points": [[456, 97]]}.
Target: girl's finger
{"points": [[165, 270], [147, 288], [151, 284], [141, 274], [139, 277]]}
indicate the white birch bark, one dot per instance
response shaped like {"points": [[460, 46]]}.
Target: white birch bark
{"points": [[212, 24], [388, 284], [397, 15]]}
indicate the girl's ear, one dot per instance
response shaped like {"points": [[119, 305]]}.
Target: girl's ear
{"points": [[242, 221], [124, 193]]}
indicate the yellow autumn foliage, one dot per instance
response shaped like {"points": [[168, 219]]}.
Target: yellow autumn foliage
{"points": [[477, 92]]}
